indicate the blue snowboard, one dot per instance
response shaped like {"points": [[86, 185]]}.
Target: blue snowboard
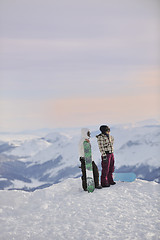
{"points": [[124, 177]]}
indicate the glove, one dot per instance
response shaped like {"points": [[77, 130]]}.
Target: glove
{"points": [[105, 158], [82, 160]]}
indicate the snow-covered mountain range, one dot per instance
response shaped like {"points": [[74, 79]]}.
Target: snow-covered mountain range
{"points": [[29, 161]]}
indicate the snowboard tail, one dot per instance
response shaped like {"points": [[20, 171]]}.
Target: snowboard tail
{"points": [[124, 177]]}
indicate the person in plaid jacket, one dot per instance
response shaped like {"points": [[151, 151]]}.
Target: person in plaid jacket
{"points": [[105, 143]]}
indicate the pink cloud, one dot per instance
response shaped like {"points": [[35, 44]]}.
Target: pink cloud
{"points": [[90, 111]]}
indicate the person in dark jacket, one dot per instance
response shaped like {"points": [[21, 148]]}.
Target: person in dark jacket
{"points": [[85, 136], [105, 143]]}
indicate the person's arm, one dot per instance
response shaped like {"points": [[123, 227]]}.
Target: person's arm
{"points": [[81, 149], [112, 140], [101, 145]]}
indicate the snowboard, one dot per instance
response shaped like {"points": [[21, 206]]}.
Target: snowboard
{"points": [[88, 165], [124, 177]]}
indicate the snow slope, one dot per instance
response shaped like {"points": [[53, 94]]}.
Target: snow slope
{"points": [[125, 211]]}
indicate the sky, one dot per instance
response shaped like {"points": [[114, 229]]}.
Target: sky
{"points": [[78, 63]]}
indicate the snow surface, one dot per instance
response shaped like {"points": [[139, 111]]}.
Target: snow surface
{"points": [[125, 211]]}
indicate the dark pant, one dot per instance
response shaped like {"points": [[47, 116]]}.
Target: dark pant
{"points": [[95, 174], [107, 169]]}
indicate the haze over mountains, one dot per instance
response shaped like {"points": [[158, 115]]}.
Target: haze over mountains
{"points": [[38, 159]]}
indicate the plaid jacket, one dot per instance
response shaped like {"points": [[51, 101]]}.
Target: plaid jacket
{"points": [[105, 144]]}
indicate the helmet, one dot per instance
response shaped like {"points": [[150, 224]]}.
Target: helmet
{"points": [[104, 128]]}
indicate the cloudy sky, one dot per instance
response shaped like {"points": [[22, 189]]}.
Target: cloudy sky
{"points": [[78, 62]]}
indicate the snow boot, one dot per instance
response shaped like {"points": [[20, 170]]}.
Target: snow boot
{"points": [[106, 185], [112, 183], [98, 187]]}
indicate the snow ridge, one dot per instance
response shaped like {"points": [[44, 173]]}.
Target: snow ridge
{"points": [[125, 211]]}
